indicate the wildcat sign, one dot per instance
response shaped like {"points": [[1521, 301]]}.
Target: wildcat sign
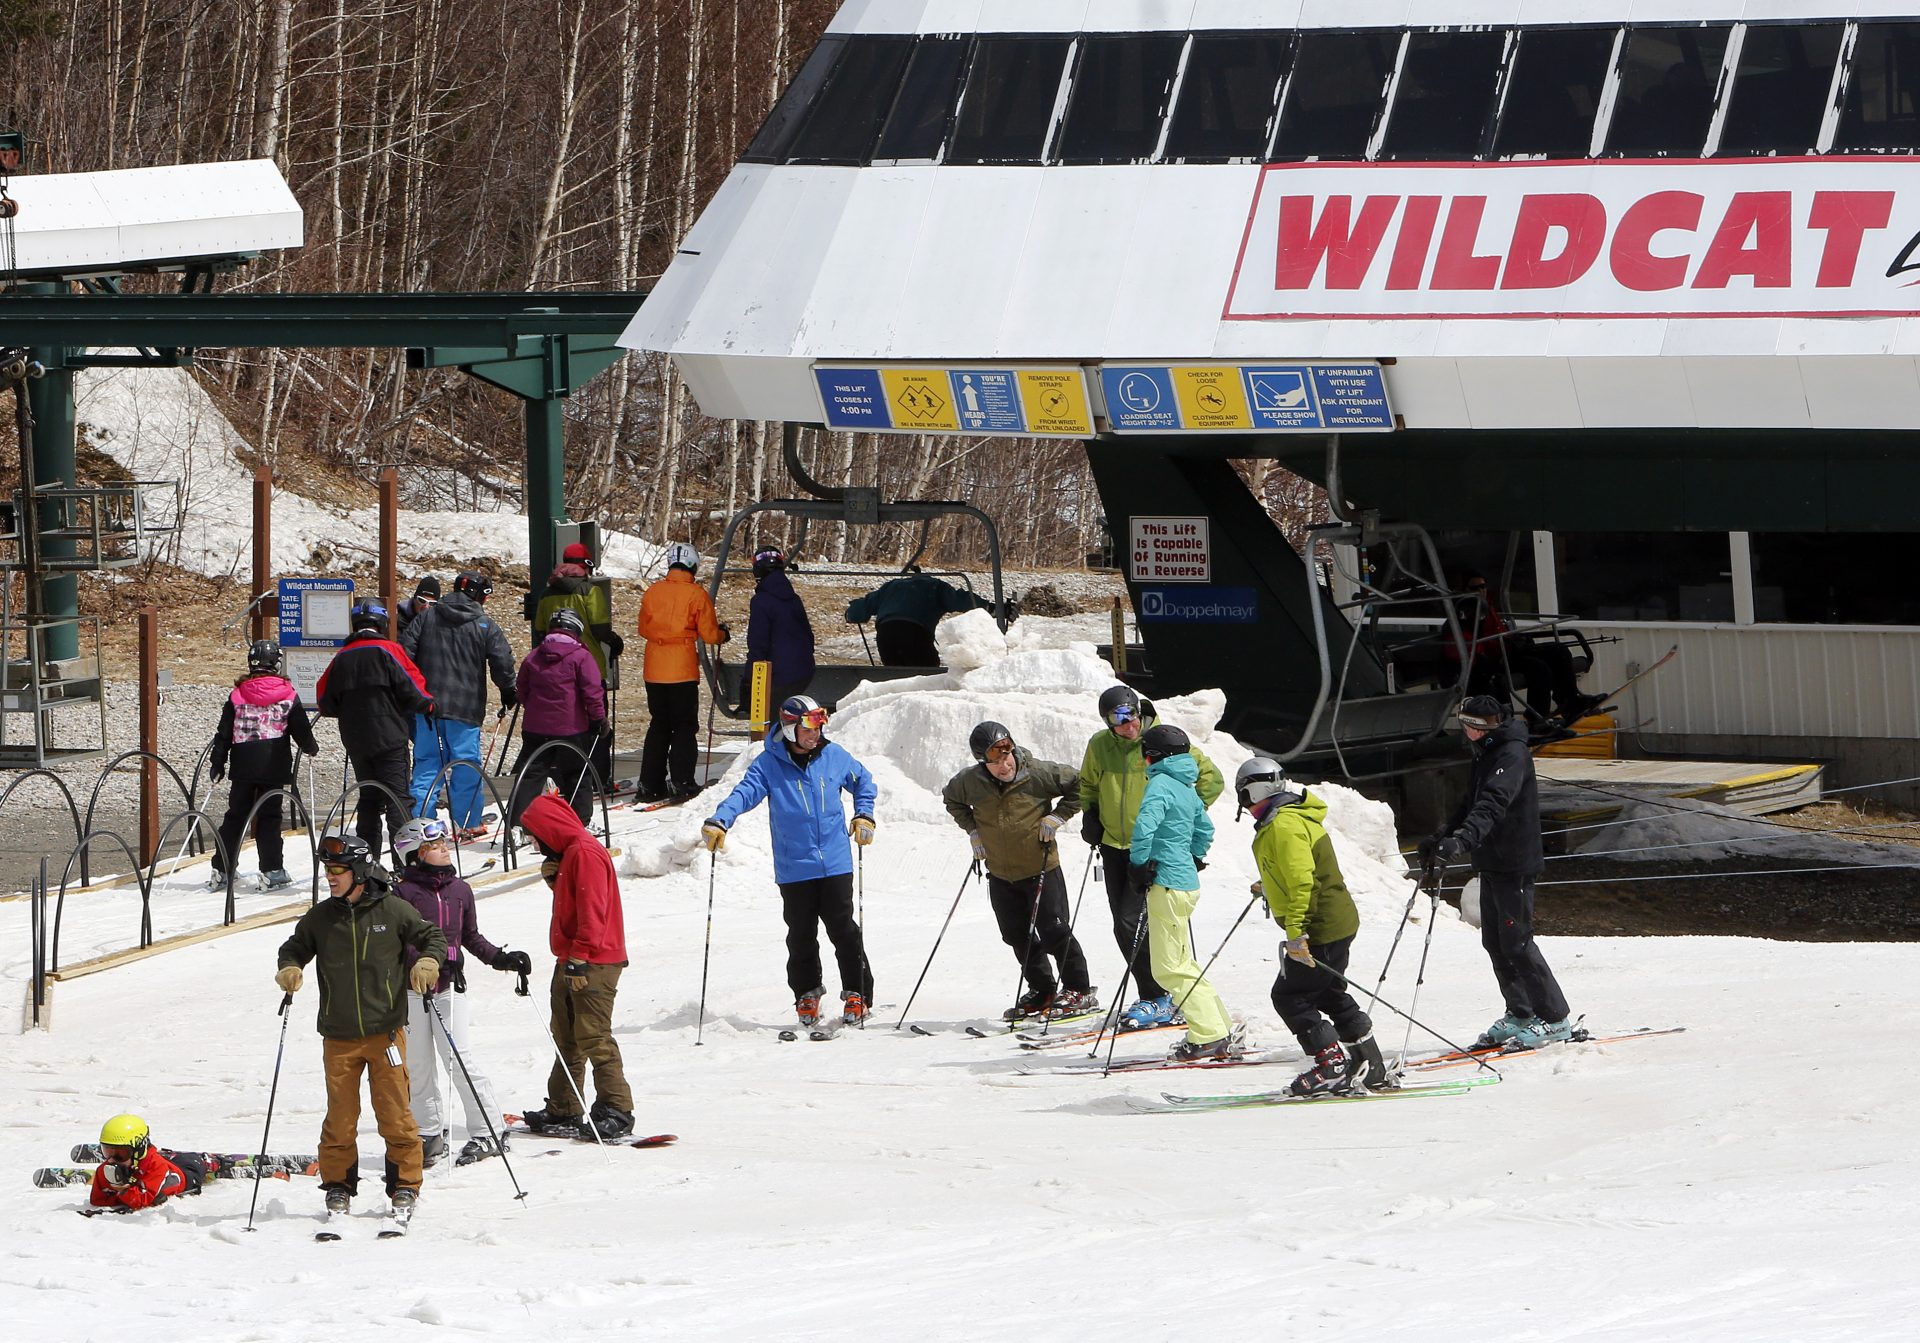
{"points": [[1819, 237]]}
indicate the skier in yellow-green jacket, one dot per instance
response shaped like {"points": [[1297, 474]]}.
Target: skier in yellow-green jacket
{"points": [[1113, 779], [1307, 895]]}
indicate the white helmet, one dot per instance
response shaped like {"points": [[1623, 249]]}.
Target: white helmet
{"points": [[680, 555], [420, 830], [797, 710], [1260, 778]]}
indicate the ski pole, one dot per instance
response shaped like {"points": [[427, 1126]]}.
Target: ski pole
{"points": [[1397, 1012], [972, 870], [561, 1059], [506, 739], [1033, 937], [499, 1139], [1216, 955], [860, 921], [1113, 1016], [286, 1001], [706, 956], [1433, 917], [1081, 899], [1405, 914]]}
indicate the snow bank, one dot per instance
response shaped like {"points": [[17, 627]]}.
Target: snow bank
{"points": [[1687, 830]]}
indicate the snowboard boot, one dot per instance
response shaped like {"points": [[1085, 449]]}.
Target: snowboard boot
{"points": [[1537, 1032], [1073, 1003], [339, 1199], [1327, 1076], [1366, 1069], [1032, 1003], [1503, 1030], [853, 1010], [479, 1149], [276, 878], [433, 1146], [807, 1006], [610, 1123], [551, 1121]]}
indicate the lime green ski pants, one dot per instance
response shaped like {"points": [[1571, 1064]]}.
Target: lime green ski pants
{"points": [[1177, 970]]}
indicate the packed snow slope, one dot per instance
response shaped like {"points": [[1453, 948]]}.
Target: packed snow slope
{"points": [[1752, 1178]]}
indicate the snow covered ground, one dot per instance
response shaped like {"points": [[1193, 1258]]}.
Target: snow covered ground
{"points": [[1753, 1178]]}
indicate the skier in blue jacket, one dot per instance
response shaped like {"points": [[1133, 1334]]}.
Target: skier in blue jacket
{"points": [[800, 775]]}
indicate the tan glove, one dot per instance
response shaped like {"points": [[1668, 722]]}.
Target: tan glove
{"points": [[861, 829], [289, 978], [575, 973], [424, 975], [1298, 950], [979, 844], [713, 836]]}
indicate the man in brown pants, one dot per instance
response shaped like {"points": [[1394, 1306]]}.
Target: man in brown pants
{"points": [[357, 942]]}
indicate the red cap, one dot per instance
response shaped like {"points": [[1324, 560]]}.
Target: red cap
{"points": [[577, 553]]}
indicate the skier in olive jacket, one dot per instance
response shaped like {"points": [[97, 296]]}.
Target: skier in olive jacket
{"points": [[358, 941], [1012, 806]]}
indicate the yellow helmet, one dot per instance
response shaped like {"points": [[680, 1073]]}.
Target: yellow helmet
{"points": [[126, 1131]]}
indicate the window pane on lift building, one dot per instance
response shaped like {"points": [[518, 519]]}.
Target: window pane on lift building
{"points": [[847, 116], [1227, 98], [1121, 86], [1882, 110], [1554, 93], [917, 125], [1646, 575], [783, 124], [1780, 89], [1668, 79], [1006, 110], [1333, 96], [1444, 101], [1824, 578]]}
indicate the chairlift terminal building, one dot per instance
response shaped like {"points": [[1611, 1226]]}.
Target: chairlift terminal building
{"points": [[1617, 301]]}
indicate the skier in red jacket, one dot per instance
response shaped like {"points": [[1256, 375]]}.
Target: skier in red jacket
{"points": [[589, 942], [136, 1174]]}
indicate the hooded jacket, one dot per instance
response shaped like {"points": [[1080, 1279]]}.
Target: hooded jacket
{"points": [[1172, 828], [259, 717], [1300, 874], [588, 922], [1500, 819], [779, 632], [457, 647], [571, 587], [561, 693], [675, 611], [1113, 778], [445, 901], [1008, 815], [358, 953], [373, 689], [803, 806]]}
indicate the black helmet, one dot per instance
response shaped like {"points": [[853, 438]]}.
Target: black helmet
{"points": [[1119, 704], [798, 709], [566, 620], [767, 559], [369, 615], [351, 851], [1481, 711], [986, 736], [1260, 778], [263, 656], [1162, 740], [475, 584]]}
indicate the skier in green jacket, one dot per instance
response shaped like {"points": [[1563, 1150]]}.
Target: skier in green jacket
{"points": [[1113, 780], [1300, 878]]}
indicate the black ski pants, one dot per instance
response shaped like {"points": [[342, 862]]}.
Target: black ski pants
{"points": [[394, 768], [808, 904], [1506, 931], [1547, 668], [673, 736], [1129, 920], [567, 770], [1013, 908], [241, 796], [905, 643], [1316, 1005]]}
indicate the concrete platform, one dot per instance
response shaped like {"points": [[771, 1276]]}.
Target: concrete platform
{"points": [[1754, 788]]}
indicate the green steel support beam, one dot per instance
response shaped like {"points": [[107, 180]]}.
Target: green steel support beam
{"points": [[546, 484]]}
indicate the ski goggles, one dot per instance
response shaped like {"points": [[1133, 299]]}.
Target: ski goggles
{"points": [[435, 831], [118, 1155], [1000, 750], [813, 718], [1122, 713]]}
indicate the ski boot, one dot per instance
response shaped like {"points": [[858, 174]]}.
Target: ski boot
{"points": [[479, 1149], [1366, 1070], [1503, 1030], [274, 879], [1150, 1012], [1032, 1003], [1073, 1003], [433, 1146], [610, 1123], [1226, 1047], [216, 881], [1537, 1032], [1326, 1077], [807, 1006], [339, 1199], [853, 1011]]}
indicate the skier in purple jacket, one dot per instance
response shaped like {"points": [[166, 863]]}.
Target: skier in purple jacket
{"points": [[429, 883], [562, 699]]}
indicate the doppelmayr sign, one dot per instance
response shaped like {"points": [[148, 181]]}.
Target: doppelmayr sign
{"points": [[1819, 237]]}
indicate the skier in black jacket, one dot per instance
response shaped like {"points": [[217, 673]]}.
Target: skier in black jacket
{"points": [[1499, 825], [373, 690]]}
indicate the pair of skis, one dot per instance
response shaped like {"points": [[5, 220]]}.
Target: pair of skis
{"points": [[220, 1166], [395, 1222]]}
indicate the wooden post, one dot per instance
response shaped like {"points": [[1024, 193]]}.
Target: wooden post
{"points": [[267, 607], [149, 733], [389, 578], [1119, 639]]}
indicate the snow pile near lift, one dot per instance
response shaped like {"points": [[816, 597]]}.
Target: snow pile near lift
{"points": [[160, 424], [1686, 830]]}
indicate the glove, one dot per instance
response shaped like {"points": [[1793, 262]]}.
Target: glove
{"points": [[217, 770], [979, 846], [576, 975], [1090, 828], [118, 1176], [1298, 950], [726, 635], [424, 975], [1256, 888], [1141, 875], [428, 711], [615, 645], [1450, 848], [1050, 828], [1199, 865], [289, 978], [1430, 847], [861, 828], [597, 728], [713, 836], [513, 962], [509, 698]]}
